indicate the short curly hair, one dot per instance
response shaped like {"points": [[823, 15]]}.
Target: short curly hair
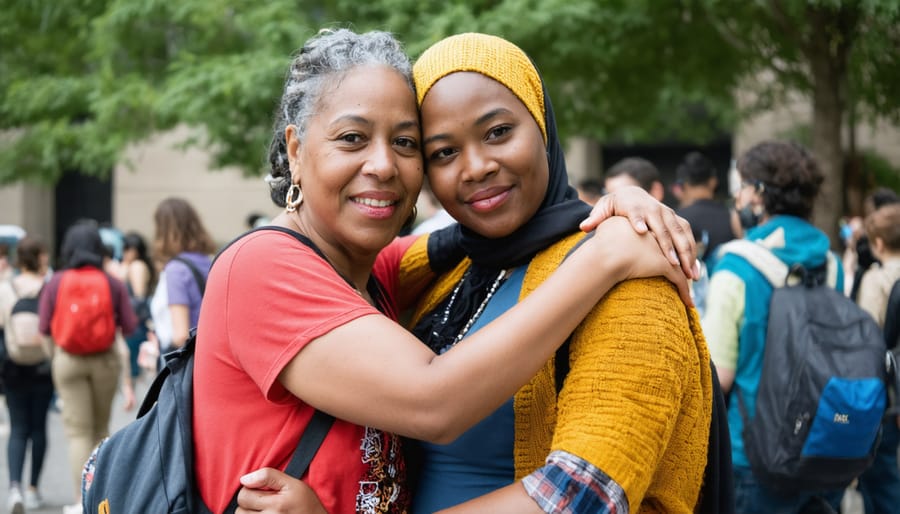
{"points": [[788, 174]]}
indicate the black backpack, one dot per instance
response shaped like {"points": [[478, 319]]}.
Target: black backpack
{"points": [[823, 389], [159, 443]]}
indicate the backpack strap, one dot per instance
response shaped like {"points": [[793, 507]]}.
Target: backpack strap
{"points": [[198, 276], [776, 271], [309, 444], [760, 257]]}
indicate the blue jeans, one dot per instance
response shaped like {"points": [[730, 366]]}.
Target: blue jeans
{"points": [[27, 400], [880, 484], [752, 497], [134, 344]]}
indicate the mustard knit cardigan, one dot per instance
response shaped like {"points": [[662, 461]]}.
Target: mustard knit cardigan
{"points": [[637, 400]]}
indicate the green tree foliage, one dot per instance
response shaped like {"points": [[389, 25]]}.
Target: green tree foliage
{"points": [[81, 79]]}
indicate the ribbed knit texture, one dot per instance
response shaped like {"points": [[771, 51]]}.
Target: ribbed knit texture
{"points": [[414, 274], [639, 338], [489, 55]]}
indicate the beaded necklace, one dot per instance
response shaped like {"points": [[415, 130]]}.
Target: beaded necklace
{"points": [[462, 333]]}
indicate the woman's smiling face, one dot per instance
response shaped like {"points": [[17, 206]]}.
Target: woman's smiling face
{"points": [[359, 164], [486, 158]]}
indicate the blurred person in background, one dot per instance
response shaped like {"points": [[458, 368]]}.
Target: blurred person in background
{"points": [[590, 190], [634, 171], [182, 246], [880, 484], [712, 222], [859, 241], [26, 373], [779, 183], [138, 273], [86, 381]]}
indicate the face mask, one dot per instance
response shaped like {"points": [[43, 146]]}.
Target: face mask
{"points": [[748, 216]]}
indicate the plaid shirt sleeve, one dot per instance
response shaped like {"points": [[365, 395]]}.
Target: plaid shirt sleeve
{"points": [[567, 484]]}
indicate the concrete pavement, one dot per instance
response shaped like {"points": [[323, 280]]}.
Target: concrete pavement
{"points": [[55, 485]]}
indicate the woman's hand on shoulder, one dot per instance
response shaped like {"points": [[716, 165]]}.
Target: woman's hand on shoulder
{"points": [[633, 255], [275, 492], [672, 232]]}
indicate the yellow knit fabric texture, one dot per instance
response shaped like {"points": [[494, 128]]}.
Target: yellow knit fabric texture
{"points": [[637, 400], [491, 56]]}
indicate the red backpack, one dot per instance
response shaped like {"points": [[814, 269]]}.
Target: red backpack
{"points": [[83, 317]]}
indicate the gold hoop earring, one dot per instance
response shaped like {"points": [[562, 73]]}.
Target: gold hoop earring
{"points": [[291, 203]]}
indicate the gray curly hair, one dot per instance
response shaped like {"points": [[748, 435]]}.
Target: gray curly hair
{"points": [[325, 57]]}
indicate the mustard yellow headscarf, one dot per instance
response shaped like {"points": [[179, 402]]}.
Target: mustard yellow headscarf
{"points": [[560, 211], [490, 56]]}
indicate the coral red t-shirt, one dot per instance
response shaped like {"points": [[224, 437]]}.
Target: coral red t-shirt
{"points": [[267, 297]]}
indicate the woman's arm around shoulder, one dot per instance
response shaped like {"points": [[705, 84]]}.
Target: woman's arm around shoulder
{"points": [[372, 372]]}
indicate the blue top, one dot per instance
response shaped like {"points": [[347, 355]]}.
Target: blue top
{"points": [[481, 459]]}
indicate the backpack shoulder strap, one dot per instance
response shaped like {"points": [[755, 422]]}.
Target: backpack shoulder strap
{"points": [[198, 276], [760, 257]]}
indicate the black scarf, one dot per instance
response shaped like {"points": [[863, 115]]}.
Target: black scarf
{"points": [[559, 215]]}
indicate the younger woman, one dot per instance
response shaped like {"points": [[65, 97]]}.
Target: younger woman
{"points": [[26, 376]]}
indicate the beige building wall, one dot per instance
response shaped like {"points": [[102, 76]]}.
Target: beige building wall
{"points": [[158, 169], [583, 159], [28, 206], [881, 136]]}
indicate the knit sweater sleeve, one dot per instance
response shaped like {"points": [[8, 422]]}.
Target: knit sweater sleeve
{"points": [[636, 402], [414, 271]]}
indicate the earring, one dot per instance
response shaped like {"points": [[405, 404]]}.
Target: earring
{"points": [[291, 203]]}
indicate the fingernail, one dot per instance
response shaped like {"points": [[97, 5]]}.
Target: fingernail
{"points": [[249, 477], [641, 225], [674, 257], [696, 270]]}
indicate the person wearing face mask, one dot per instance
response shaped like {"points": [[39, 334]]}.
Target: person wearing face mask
{"points": [[779, 184], [628, 425]]}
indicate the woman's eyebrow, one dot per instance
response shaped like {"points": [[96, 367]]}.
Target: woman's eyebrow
{"points": [[484, 118]]}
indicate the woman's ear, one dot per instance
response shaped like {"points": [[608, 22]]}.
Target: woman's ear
{"points": [[292, 144]]}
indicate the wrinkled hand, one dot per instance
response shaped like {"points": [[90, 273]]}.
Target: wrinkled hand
{"points": [[638, 256], [275, 492], [672, 232]]}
